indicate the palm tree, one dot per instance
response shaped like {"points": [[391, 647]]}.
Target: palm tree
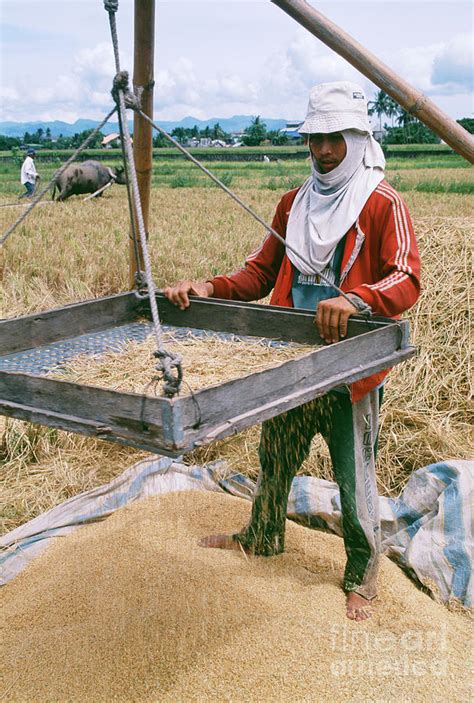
{"points": [[392, 108], [379, 106], [256, 133], [218, 132], [404, 120]]}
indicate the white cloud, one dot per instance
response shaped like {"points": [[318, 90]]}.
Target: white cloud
{"points": [[415, 65], [288, 75], [444, 68], [8, 95], [83, 92], [272, 83], [453, 65], [96, 64], [180, 90], [281, 84]]}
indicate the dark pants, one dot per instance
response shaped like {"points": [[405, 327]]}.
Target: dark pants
{"points": [[30, 189], [350, 431]]}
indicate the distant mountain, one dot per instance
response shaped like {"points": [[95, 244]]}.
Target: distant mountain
{"points": [[17, 129], [229, 124], [237, 123]]}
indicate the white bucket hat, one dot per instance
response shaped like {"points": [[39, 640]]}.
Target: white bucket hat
{"points": [[333, 107]]}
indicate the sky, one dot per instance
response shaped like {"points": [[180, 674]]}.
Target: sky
{"points": [[224, 57]]}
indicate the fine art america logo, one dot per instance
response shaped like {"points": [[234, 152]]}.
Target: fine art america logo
{"points": [[381, 653]]}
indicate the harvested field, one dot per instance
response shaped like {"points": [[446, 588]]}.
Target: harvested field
{"points": [[131, 609], [71, 251]]}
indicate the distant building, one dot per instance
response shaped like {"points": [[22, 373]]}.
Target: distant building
{"points": [[236, 138], [31, 145], [291, 130], [203, 142], [294, 125], [379, 134], [111, 140]]}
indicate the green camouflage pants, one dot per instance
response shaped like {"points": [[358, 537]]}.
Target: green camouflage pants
{"points": [[350, 431]]}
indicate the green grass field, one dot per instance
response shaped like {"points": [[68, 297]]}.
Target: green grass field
{"points": [[201, 152], [437, 173]]}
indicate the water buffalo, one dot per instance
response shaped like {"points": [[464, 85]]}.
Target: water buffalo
{"points": [[86, 177]]}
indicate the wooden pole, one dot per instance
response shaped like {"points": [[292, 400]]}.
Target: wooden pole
{"points": [[411, 99], [144, 53]]}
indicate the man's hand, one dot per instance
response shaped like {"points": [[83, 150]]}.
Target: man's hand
{"points": [[179, 294], [332, 316]]}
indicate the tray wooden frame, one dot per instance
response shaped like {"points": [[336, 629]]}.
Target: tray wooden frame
{"points": [[175, 426]]}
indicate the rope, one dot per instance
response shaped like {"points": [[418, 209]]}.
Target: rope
{"points": [[363, 310], [139, 276], [169, 364], [111, 6], [100, 190], [84, 144]]}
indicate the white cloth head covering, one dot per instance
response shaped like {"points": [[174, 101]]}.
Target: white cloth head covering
{"points": [[328, 204]]}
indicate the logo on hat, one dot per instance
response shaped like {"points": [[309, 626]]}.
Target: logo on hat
{"points": [[358, 96]]}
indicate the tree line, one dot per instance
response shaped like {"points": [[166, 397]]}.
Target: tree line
{"points": [[404, 128], [253, 135], [43, 139]]}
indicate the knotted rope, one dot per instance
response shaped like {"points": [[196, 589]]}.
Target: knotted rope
{"points": [[120, 83], [169, 364]]}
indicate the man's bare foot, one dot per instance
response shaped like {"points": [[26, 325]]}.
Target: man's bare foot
{"points": [[357, 607], [223, 542]]}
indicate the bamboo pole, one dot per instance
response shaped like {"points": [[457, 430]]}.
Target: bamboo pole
{"points": [[144, 52], [411, 99]]}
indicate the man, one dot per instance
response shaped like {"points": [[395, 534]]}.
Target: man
{"points": [[349, 224], [29, 175]]}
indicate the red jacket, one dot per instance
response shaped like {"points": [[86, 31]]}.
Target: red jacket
{"points": [[380, 264]]}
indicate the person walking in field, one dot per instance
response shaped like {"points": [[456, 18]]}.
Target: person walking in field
{"points": [[349, 224], [29, 174]]}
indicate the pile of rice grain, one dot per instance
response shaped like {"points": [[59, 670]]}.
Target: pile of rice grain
{"points": [[206, 360], [132, 609]]}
